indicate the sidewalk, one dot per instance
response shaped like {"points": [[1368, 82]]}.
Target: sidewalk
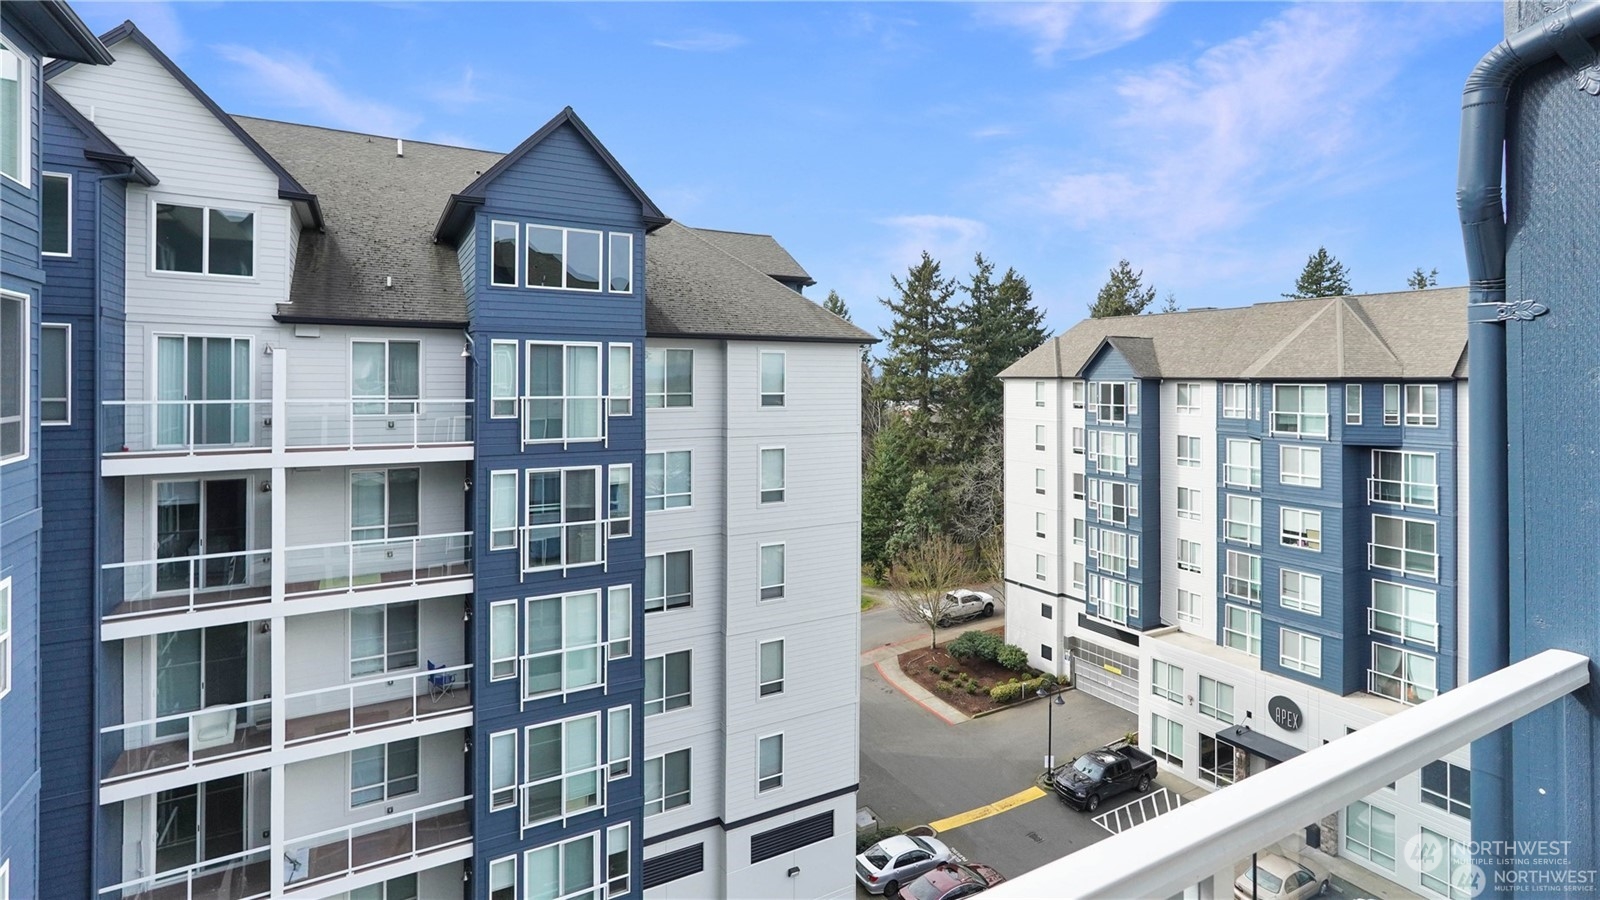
{"points": [[883, 658]]}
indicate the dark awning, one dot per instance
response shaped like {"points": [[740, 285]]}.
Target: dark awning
{"points": [[1269, 749]]}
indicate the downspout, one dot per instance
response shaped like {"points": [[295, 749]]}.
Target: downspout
{"points": [[1485, 97]]}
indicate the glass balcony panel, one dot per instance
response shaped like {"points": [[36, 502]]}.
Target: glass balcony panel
{"points": [[354, 565], [373, 423], [185, 739], [377, 703]]}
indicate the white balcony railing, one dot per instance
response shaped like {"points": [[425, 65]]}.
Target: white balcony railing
{"points": [[240, 876], [354, 565], [329, 854], [563, 420], [184, 740], [184, 583], [186, 427], [376, 703], [373, 423], [1198, 841]]}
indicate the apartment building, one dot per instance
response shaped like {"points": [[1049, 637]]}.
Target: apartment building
{"points": [[375, 602], [1241, 524]]}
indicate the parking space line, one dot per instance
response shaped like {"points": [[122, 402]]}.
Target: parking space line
{"points": [[987, 810]]}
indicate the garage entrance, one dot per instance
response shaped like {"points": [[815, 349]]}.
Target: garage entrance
{"points": [[1105, 674]]}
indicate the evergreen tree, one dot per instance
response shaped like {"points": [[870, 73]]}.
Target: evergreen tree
{"points": [[921, 351], [1124, 293], [1170, 304], [1323, 276], [1421, 280], [999, 324], [835, 305], [883, 494]]}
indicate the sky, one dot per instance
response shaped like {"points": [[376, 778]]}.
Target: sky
{"points": [[1213, 145]]}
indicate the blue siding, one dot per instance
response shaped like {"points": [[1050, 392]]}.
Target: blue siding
{"points": [[1143, 480]]}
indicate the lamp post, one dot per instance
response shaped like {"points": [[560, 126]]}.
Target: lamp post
{"points": [[1049, 728]]}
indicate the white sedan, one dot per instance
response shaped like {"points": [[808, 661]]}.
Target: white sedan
{"points": [[960, 605], [898, 860]]}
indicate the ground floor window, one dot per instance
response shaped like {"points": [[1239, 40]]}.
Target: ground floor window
{"points": [[1216, 762], [1369, 833], [1166, 739]]}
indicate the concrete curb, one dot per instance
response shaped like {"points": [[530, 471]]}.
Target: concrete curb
{"points": [[1018, 703], [918, 695]]}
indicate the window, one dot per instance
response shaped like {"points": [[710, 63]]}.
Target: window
{"points": [[771, 571], [563, 516], [1077, 439], [561, 770], [772, 475], [668, 378], [666, 782], [1352, 404], [1243, 578], [668, 580], [1300, 465], [1166, 680], [503, 879], [16, 118], [772, 378], [619, 500], [1077, 485], [502, 639], [1111, 500], [1445, 865], [55, 374], [1300, 409], [1241, 629], [1111, 452], [502, 510], [1369, 833], [1243, 520], [561, 644], [1111, 551], [563, 258], [1188, 503], [771, 660], [1113, 600], [769, 763], [1301, 528], [5, 637], [619, 380], [503, 254], [202, 240], [668, 480], [1301, 591], [1406, 479], [569, 870], [619, 742], [1038, 437], [620, 263], [1188, 555], [383, 772], [619, 621], [1077, 576], [502, 770], [563, 401], [1448, 787], [1166, 739], [1391, 404], [383, 638], [14, 327], [1039, 520], [619, 847], [1243, 466], [1188, 451], [503, 379], [1038, 481], [1422, 405], [1300, 652], [1188, 607], [1405, 545], [1188, 397], [1216, 699], [1038, 393], [1235, 401], [55, 217], [1110, 401], [384, 377], [1046, 611], [1077, 395], [1405, 612], [1078, 531], [1402, 675], [1041, 569], [1216, 761]]}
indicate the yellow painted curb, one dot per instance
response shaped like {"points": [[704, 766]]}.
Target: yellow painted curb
{"points": [[991, 809]]}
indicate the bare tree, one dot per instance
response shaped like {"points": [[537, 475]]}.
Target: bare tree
{"points": [[921, 579], [979, 493]]}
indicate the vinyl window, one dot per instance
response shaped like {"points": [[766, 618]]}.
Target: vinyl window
{"points": [[1369, 833], [619, 849], [1241, 629], [1038, 481], [561, 649], [569, 870], [502, 770], [772, 378], [563, 258], [619, 742], [666, 782], [1039, 393], [1408, 613], [1446, 866], [502, 510], [769, 763], [1402, 674], [1039, 433], [1235, 401], [5, 636], [667, 682], [383, 638], [1300, 652], [1243, 577], [1449, 787], [619, 621], [1077, 395], [14, 351], [55, 215], [1352, 404], [563, 400], [668, 480], [771, 571], [1300, 465], [1113, 600], [383, 772], [668, 581], [1110, 401], [619, 263], [1391, 404], [1301, 591], [1242, 523], [204, 240], [1300, 528], [385, 377], [1188, 503], [503, 254], [16, 119], [503, 879], [502, 639], [619, 379], [1166, 680], [1166, 739], [564, 526], [1188, 555], [1079, 529], [1422, 405], [1404, 479], [1188, 451], [1188, 397], [1188, 607], [772, 463], [771, 667], [55, 374], [1300, 409], [668, 378], [1077, 439], [1216, 699], [1039, 522], [502, 379], [1041, 568], [1243, 466], [1112, 455], [561, 770], [1405, 545], [1077, 485], [619, 500]]}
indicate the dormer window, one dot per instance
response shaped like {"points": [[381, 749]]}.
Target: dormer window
{"points": [[204, 241], [567, 258]]}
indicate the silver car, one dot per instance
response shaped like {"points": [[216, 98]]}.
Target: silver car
{"points": [[960, 605], [898, 860]]}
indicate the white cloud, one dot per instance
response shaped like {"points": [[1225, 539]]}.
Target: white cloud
{"points": [[295, 83], [1076, 30], [993, 131], [702, 42], [158, 20], [951, 240], [462, 92]]}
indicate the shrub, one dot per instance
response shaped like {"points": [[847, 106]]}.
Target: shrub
{"points": [[944, 676], [1012, 657], [1046, 680], [1005, 693], [868, 838], [935, 669], [980, 644], [945, 686], [972, 687]]}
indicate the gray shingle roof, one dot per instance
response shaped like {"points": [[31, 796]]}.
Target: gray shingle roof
{"points": [[761, 251], [381, 211], [1407, 335]]}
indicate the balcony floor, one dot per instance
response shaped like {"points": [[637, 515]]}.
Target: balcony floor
{"points": [[164, 604], [180, 602], [405, 575]]}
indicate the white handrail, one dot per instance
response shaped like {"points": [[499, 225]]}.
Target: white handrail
{"points": [[156, 740], [350, 706], [344, 423], [143, 424], [348, 833], [188, 873], [141, 582]]}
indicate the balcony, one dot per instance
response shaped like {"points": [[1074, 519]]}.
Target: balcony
{"points": [[349, 566], [186, 427], [375, 424], [380, 702], [185, 584], [321, 857], [239, 876], [185, 740]]}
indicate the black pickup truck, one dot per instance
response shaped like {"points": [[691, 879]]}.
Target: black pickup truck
{"points": [[1104, 773]]}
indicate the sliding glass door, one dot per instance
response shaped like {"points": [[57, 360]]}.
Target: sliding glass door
{"points": [[193, 374]]}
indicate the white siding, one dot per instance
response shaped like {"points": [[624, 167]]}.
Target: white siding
{"points": [[317, 791], [1203, 530]]}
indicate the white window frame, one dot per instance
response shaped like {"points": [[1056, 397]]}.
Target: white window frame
{"points": [[571, 650], [1107, 459], [1246, 530], [502, 796], [1235, 400], [383, 657], [1364, 846], [619, 516], [1041, 567], [503, 666], [619, 387], [771, 495], [661, 500], [23, 419], [43, 178], [1078, 576], [205, 241], [768, 683], [572, 403], [1352, 404], [1077, 439], [565, 774], [1108, 409], [1189, 556], [562, 526], [1246, 586], [1406, 552], [1078, 481], [610, 278], [1404, 492], [1305, 597], [1300, 528], [1038, 481], [385, 404], [1188, 606], [503, 405], [619, 742], [1038, 394], [1077, 394], [24, 124], [1166, 739], [1446, 801], [582, 886], [669, 700], [497, 880], [1399, 622], [668, 601], [768, 780], [770, 399], [1188, 451], [566, 253], [1166, 680], [1212, 702], [495, 227], [1391, 404], [666, 398], [1250, 637], [1304, 474], [666, 802], [6, 630], [1300, 652], [391, 785], [66, 363], [619, 621], [1187, 397], [1079, 531], [1453, 859], [1416, 405], [1409, 688], [772, 589], [619, 841], [1039, 433], [1302, 420], [1249, 470], [1191, 508], [502, 521]]}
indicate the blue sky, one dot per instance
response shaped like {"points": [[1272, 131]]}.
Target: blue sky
{"points": [[1213, 145]]}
